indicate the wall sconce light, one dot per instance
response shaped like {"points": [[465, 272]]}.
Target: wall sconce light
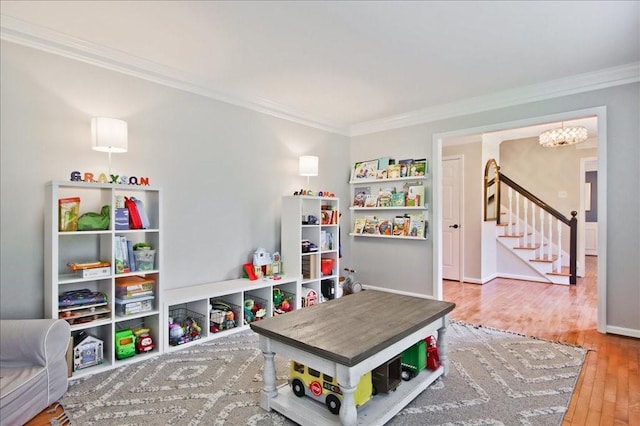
{"points": [[109, 135], [308, 166]]}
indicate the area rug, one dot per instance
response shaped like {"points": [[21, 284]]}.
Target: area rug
{"points": [[495, 378]]}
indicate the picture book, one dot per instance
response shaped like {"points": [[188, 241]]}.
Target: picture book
{"points": [[365, 170], [400, 225], [358, 225], [415, 196], [418, 167], [384, 227], [383, 162], [359, 195], [371, 201], [371, 225], [393, 171], [398, 199], [384, 197], [405, 165], [416, 225]]}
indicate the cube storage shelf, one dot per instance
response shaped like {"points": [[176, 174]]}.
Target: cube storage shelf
{"points": [[101, 318], [196, 302], [309, 247]]}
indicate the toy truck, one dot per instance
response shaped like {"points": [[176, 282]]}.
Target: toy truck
{"points": [[324, 388]]}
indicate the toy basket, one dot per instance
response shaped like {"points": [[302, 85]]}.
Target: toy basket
{"points": [[255, 308], [189, 321], [224, 316]]}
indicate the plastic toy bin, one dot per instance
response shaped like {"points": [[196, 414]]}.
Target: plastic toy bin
{"points": [[185, 325], [144, 259], [133, 306]]}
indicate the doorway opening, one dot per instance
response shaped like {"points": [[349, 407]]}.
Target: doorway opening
{"points": [[500, 131]]}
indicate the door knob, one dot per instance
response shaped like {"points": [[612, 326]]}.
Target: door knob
{"points": [[454, 226]]}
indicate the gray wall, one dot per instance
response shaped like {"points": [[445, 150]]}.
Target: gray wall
{"points": [[223, 168], [623, 194]]}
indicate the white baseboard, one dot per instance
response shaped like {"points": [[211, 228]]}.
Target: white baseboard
{"points": [[622, 331], [404, 293]]}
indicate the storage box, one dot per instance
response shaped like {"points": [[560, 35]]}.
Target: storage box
{"points": [[68, 213], [134, 306], [144, 259], [121, 219], [134, 286]]}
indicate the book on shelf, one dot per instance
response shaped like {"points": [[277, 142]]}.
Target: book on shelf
{"points": [[418, 167], [358, 225], [415, 196], [398, 199], [384, 196], [371, 200], [405, 165], [416, 225], [121, 254], [360, 195], [370, 225], [393, 171], [400, 226], [384, 162], [384, 227], [365, 170]]}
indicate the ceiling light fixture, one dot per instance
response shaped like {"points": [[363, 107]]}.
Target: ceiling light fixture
{"points": [[563, 136]]}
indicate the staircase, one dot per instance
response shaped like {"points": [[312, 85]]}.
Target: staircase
{"points": [[532, 231], [533, 250]]}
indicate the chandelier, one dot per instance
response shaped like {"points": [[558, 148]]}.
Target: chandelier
{"points": [[563, 136]]}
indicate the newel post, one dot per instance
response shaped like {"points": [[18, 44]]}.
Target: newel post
{"points": [[573, 247]]}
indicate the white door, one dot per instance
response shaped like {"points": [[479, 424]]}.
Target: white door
{"points": [[451, 230]]}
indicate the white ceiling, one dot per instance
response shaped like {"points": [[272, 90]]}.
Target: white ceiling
{"points": [[340, 63]]}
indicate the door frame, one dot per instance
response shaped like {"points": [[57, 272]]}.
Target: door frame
{"points": [[601, 114], [461, 221]]}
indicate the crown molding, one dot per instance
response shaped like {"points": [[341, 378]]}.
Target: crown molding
{"points": [[24, 33], [616, 76]]}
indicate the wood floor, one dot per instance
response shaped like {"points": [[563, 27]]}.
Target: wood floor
{"points": [[608, 389]]}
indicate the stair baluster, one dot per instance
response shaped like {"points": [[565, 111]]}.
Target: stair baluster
{"points": [[518, 228], [533, 223], [525, 207], [558, 267], [540, 251], [549, 248]]}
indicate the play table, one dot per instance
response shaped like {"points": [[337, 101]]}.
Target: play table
{"points": [[346, 338]]}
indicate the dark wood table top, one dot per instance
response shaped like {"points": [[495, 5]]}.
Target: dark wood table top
{"points": [[352, 328]]}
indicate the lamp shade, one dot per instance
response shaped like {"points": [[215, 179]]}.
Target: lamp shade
{"points": [[109, 134], [308, 165]]}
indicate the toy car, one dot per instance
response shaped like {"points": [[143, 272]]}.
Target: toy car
{"points": [[144, 341]]}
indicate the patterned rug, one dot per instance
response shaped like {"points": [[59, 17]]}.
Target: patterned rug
{"points": [[495, 378]]}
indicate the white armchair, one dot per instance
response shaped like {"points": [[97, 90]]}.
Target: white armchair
{"points": [[33, 367]]}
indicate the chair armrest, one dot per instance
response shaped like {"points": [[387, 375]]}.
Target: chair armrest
{"points": [[32, 341]]}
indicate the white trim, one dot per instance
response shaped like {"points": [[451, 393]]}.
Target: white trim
{"points": [[616, 76], [601, 114], [622, 331], [18, 31], [24, 33]]}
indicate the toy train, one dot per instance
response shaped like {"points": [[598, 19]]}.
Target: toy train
{"points": [[385, 378]]}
